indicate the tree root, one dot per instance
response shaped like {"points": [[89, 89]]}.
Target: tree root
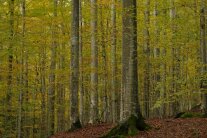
{"points": [[130, 127], [75, 126]]}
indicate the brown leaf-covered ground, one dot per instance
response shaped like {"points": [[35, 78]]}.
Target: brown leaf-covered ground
{"points": [[161, 128]]}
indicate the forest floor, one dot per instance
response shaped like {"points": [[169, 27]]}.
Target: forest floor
{"points": [[161, 128]]}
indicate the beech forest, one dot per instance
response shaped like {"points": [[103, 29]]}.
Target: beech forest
{"points": [[103, 68]]}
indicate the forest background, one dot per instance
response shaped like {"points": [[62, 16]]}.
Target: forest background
{"points": [[35, 61]]}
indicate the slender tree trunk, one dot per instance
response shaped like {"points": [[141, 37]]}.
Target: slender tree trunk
{"points": [[61, 86], [52, 77], [33, 121], [163, 68], [25, 96], [174, 70], [81, 106], [157, 56], [19, 133], [42, 58], [26, 86], [75, 119], [94, 64], [147, 64], [104, 57], [22, 71], [8, 120], [114, 93]]}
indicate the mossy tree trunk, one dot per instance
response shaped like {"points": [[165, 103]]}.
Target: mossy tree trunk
{"points": [[134, 121], [129, 127]]}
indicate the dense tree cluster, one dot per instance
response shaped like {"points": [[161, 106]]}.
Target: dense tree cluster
{"points": [[66, 63]]}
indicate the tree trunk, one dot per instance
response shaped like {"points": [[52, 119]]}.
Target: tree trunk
{"points": [[147, 64], [52, 77], [134, 120], [125, 96], [75, 120], [114, 93], [104, 99], [94, 64], [174, 53], [81, 105], [203, 51], [61, 86], [8, 125], [19, 133], [156, 56], [42, 58]]}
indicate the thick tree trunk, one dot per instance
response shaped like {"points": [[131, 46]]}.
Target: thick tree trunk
{"points": [[134, 121], [125, 96]]}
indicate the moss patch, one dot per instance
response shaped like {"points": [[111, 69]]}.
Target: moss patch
{"points": [[128, 128], [189, 115]]}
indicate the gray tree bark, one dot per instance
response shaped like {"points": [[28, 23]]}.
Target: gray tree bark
{"points": [[104, 99], [156, 53], [134, 119], [81, 105], [114, 93], [133, 69], [126, 38], [130, 42], [75, 120], [94, 64]]}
